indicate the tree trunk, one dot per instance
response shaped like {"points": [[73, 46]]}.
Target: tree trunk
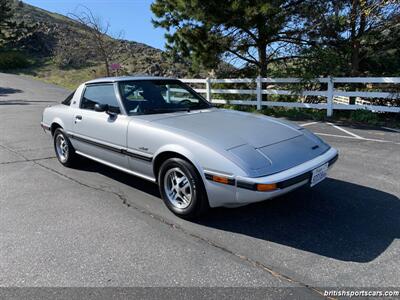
{"points": [[358, 12], [263, 67], [357, 39], [355, 63], [355, 44], [355, 58], [106, 64], [262, 54]]}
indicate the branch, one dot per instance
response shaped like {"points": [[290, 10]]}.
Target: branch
{"points": [[243, 57], [285, 58]]}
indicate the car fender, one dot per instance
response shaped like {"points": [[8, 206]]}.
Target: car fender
{"points": [[59, 122], [181, 151], [215, 191]]}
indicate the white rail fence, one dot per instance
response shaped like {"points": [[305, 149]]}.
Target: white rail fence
{"points": [[334, 97]]}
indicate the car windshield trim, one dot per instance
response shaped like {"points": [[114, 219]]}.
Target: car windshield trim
{"points": [[151, 97]]}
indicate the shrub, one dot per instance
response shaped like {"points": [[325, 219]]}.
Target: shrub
{"points": [[295, 113], [364, 116], [360, 116], [12, 60]]}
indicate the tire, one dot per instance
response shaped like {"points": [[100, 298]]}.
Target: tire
{"points": [[182, 189], [63, 148]]}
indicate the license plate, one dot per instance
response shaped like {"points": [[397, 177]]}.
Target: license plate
{"points": [[319, 174]]}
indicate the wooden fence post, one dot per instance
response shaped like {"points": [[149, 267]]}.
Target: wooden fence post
{"points": [[329, 98], [259, 92], [208, 89]]}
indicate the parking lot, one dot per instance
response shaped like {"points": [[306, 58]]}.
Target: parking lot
{"points": [[95, 226]]}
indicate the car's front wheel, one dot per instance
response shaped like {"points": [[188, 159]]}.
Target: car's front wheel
{"points": [[65, 152], [182, 188]]}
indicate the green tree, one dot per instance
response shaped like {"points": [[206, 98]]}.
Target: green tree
{"points": [[7, 24], [352, 34], [255, 33], [350, 38], [13, 30]]}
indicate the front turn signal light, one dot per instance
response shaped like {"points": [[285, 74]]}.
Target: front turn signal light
{"points": [[266, 187], [220, 179]]}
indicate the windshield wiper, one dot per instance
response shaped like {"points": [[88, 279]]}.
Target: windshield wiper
{"points": [[168, 109]]}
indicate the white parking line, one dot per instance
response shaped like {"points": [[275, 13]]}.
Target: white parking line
{"points": [[335, 135], [350, 134], [391, 129], [346, 131], [307, 124], [355, 138]]}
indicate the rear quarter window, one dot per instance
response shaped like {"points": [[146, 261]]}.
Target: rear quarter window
{"points": [[67, 101]]}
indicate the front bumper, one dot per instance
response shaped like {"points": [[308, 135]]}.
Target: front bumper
{"points": [[44, 126], [286, 181], [241, 190]]}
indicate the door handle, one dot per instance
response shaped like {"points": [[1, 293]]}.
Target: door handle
{"points": [[78, 118]]}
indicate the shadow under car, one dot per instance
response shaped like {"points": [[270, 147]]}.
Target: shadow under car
{"points": [[335, 219]]}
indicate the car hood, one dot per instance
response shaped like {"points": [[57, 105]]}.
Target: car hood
{"points": [[260, 145], [230, 129]]}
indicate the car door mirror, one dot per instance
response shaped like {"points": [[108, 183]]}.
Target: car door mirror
{"points": [[110, 110], [100, 107]]}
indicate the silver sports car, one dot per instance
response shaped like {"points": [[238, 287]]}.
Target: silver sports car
{"points": [[200, 156]]}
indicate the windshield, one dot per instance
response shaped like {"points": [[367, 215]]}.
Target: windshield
{"points": [[159, 96]]}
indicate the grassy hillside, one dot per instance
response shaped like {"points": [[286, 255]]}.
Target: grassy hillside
{"points": [[45, 63]]}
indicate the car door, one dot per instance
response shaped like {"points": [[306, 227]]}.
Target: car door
{"points": [[101, 135]]}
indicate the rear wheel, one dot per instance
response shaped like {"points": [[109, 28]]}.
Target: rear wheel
{"points": [[65, 152], [182, 188]]}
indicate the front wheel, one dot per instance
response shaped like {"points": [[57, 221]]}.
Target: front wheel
{"points": [[65, 152], [182, 188]]}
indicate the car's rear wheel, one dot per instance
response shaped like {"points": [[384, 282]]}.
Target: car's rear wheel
{"points": [[65, 152], [182, 188]]}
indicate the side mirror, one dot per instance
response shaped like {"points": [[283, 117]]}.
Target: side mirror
{"points": [[100, 107], [110, 110]]}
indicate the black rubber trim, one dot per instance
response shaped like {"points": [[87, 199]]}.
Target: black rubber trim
{"points": [[246, 185], [138, 156], [280, 185], [294, 180], [333, 160], [97, 144], [231, 181], [111, 148]]}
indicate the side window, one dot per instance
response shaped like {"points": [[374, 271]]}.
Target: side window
{"points": [[133, 94], [67, 100], [174, 93], [100, 94]]}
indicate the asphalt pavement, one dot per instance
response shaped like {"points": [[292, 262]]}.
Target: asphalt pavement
{"points": [[93, 226]]}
